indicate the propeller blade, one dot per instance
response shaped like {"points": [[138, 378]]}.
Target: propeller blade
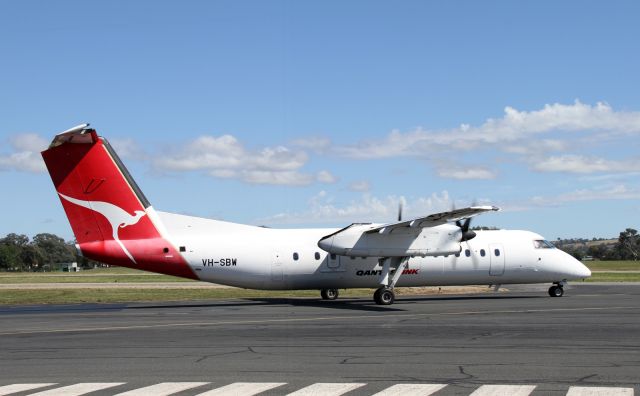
{"points": [[400, 211], [464, 230]]}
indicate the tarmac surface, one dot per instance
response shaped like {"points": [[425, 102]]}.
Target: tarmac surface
{"points": [[554, 346]]}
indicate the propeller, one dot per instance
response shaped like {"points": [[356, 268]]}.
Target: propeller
{"points": [[400, 211], [467, 234]]}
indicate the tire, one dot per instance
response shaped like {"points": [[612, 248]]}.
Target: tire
{"points": [[556, 291], [376, 295], [384, 296], [329, 294]]}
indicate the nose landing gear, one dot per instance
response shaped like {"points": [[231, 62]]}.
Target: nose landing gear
{"points": [[556, 290]]}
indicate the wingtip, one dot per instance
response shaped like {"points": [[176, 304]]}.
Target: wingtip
{"points": [[487, 208]]}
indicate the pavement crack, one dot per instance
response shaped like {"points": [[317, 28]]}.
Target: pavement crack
{"points": [[205, 357], [469, 376], [583, 379]]}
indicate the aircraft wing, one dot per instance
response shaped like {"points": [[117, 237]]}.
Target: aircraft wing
{"points": [[401, 239], [434, 219]]}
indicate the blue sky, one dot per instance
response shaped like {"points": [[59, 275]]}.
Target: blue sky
{"points": [[321, 113]]}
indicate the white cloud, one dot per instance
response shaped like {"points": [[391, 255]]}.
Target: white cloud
{"points": [[617, 192], [601, 193], [226, 157], [525, 134], [25, 154], [323, 209], [127, 148], [360, 186], [326, 177], [317, 144], [284, 178], [582, 164], [469, 173]]}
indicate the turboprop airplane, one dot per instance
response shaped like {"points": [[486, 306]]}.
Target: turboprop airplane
{"points": [[114, 223]]}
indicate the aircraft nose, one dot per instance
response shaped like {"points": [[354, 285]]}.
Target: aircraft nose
{"points": [[579, 270], [583, 271]]}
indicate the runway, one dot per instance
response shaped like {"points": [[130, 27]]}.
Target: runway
{"points": [[464, 344]]}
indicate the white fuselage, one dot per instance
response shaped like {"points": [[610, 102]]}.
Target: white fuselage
{"points": [[264, 258]]}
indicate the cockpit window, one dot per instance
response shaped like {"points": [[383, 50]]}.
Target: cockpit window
{"points": [[542, 244]]}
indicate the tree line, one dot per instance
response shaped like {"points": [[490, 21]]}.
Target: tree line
{"points": [[44, 252], [626, 247], [48, 252]]}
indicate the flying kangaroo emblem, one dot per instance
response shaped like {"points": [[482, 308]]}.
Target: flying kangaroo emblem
{"points": [[116, 216]]}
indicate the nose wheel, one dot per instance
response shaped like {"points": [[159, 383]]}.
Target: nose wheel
{"points": [[329, 294], [556, 291]]}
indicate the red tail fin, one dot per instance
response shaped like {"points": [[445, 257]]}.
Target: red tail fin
{"points": [[108, 212]]}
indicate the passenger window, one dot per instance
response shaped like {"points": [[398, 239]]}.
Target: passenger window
{"points": [[482, 252], [496, 252], [458, 254], [317, 256], [333, 256], [295, 257], [467, 253]]}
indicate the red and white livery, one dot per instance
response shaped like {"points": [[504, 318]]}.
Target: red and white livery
{"points": [[114, 223]]}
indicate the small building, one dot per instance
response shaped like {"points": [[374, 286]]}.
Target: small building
{"points": [[70, 267]]}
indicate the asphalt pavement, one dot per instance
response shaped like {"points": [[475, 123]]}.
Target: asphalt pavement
{"points": [[588, 338]]}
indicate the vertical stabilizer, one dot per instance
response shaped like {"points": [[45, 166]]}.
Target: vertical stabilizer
{"points": [[108, 212]]}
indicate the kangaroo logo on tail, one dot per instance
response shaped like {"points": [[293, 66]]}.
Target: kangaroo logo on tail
{"points": [[116, 216]]}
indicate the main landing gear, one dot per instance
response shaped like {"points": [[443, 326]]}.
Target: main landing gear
{"points": [[329, 294], [556, 290], [384, 296]]}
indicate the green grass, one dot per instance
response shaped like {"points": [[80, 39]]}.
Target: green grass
{"points": [[626, 265], [98, 275], [42, 278], [614, 277]]}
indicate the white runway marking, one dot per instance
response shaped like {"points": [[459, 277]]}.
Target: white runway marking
{"points": [[15, 388], [326, 389], [411, 390], [599, 391], [163, 389], [243, 388], [504, 390], [319, 389], [78, 389]]}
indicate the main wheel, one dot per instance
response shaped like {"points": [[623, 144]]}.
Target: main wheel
{"points": [[329, 294], [556, 291], [384, 296]]}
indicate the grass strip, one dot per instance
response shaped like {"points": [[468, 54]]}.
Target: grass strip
{"points": [[620, 265], [614, 277]]}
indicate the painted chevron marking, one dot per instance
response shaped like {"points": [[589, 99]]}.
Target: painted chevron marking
{"points": [[78, 389], [599, 391], [163, 389], [504, 390], [327, 389], [15, 388], [243, 388], [411, 390]]}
